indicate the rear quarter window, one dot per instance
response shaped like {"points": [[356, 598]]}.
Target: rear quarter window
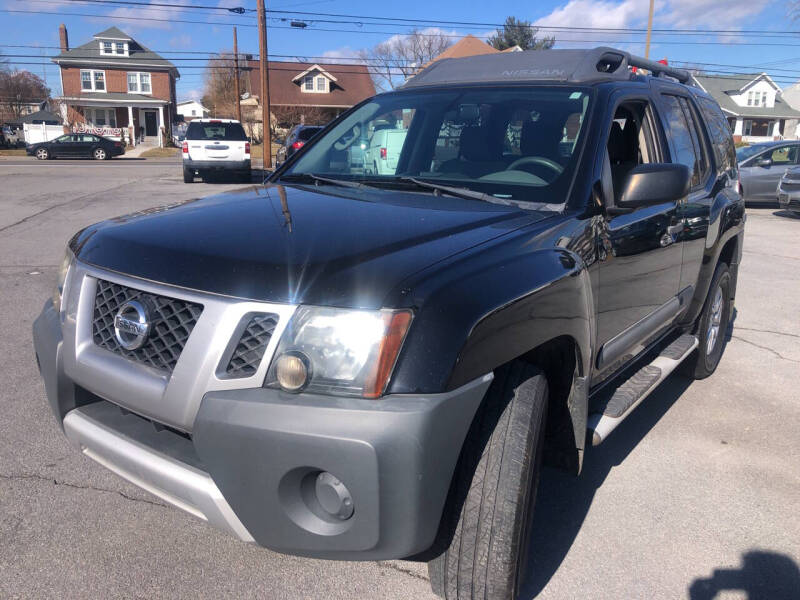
{"points": [[229, 132], [308, 133]]}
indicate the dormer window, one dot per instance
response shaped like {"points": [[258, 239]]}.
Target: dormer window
{"points": [[112, 48], [315, 80]]}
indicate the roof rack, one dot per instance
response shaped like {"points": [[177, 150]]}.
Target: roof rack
{"points": [[574, 66]]}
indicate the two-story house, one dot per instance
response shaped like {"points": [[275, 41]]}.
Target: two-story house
{"points": [[753, 104], [116, 87]]}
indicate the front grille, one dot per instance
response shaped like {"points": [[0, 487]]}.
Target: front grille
{"points": [[252, 344], [790, 186], [172, 322]]}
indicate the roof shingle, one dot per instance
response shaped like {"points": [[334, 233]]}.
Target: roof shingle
{"points": [[721, 87], [353, 84]]}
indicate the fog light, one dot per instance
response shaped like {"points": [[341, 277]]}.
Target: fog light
{"points": [[292, 371], [333, 496]]}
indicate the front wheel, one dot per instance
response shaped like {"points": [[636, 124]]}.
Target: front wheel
{"points": [[99, 154], [712, 326], [42, 154], [484, 534]]}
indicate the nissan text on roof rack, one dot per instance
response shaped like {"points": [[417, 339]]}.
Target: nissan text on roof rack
{"points": [[371, 364]]}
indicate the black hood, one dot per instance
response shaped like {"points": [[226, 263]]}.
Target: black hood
{"points": [[297, 244]]}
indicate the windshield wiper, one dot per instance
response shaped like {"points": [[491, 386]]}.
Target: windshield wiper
{"points": [[319, 179], [469, 194]]}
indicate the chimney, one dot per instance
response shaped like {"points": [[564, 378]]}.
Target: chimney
{"points": [[62, 36]]}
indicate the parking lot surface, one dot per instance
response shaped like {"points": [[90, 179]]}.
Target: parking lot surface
{"points": [[695, 496]]}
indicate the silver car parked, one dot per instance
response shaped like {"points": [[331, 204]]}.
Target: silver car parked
{"points": [[761, 167], [789, 190]]}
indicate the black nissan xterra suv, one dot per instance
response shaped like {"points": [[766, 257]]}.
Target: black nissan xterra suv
{"points": [[353, 366]]}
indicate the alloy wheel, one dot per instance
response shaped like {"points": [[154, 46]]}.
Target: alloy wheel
{"points": [[714, 321], [41, 154], [100, 154]]}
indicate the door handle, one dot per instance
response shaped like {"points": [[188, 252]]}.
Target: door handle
{"points": [[675, 229]]}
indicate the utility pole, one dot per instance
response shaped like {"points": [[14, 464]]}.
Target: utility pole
{"points": [[236, 77], [262, 48], [649, 29]]}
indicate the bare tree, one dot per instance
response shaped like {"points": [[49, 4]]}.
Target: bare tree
{"points": [[18, 88], [220, 91], [393, 61]]}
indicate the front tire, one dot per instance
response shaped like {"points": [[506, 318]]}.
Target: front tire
{"points": [[42, 153], [484, 533], [712, 326], [99, 154]]}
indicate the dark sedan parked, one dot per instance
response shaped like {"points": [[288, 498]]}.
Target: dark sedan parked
{"points": [[77, 145], [761, 167], [297, 138]]}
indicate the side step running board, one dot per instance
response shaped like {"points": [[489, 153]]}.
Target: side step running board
{"points": [[638, 387]]}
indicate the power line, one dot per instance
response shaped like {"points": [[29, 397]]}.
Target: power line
{"points": [[237, 10]]}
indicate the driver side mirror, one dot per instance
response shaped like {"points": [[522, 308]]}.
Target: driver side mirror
{"points": [[654, 183], [765, 162]]}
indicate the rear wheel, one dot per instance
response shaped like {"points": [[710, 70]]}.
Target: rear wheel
{"points": [[42, 153], [99, 154], [484, 533], [188, 176], [712, 327]]}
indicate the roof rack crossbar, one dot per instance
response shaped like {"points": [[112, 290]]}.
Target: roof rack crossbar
{"points": [[658, 69]]}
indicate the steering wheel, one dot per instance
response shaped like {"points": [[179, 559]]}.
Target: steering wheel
{"points": [[537, 160], [344, 143]]}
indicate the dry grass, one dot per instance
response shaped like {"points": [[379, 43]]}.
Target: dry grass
{"points": [[159, 153], [12, 152], [257, 150]]}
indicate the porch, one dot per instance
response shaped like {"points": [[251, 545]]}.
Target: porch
{"points": [[134, 121], [754, 130]]}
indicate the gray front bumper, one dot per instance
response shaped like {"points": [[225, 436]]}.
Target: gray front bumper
{"points": [[250, 450]]}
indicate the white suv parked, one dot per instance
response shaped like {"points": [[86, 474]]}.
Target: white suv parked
{"points": [[215, 145]]}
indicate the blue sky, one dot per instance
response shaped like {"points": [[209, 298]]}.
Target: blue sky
{"points": [[168, 37]]}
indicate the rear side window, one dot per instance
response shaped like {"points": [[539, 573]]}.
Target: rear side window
{"points": [[307, 133], [686, 138], [720, 132], [229, 132]]}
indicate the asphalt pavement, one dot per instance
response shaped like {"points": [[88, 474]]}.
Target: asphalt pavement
{"points": [[695, 496]]}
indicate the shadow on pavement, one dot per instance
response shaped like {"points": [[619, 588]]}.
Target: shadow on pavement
{"points": [[563, 500], [763, 575], [786, 214]]}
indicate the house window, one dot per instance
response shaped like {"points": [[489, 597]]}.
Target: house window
{"points": [[120, 48], [107, 48], [194, 112], [308, 83], [139, 83], [763, 98], [747, 127], [321, 87], [93, 81], [102, 117]]}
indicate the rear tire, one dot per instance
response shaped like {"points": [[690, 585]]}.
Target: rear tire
{"points": [[484, 533], [712, 327], [99, 154], [188, 176]]}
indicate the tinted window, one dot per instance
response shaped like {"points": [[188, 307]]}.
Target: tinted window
{"points": [[686, 140], [718, 129], [230, 132], [307, 133]]}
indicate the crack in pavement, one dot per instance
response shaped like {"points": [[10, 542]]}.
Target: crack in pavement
{"points": [[400, 569], [35, 477], [60, 204], [768, 349], [794, 335]]}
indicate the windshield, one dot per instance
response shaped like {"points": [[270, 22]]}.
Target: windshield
{"points": [[511, 143], [230, 132], [746, 152]]}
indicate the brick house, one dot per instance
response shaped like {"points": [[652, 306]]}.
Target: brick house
{"points": [[116, 87]]}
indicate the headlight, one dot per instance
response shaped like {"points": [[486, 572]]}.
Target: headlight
{"points": [[63, 269], [339, 351]]}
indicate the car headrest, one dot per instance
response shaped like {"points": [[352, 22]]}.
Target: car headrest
{"points": [[474, 145], [540, 138], [616, 144]]}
